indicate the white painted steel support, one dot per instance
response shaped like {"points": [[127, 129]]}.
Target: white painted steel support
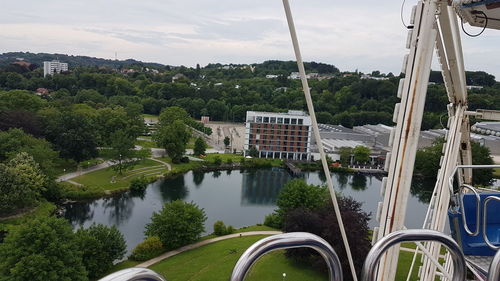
{"points": [[310, 107], [457, 146], [407, 131]]}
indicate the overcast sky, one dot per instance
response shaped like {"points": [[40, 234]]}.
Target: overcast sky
{"points": [[365, 35]]}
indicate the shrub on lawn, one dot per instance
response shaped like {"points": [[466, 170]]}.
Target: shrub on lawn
{"points": [[139, 184], [217, 160], [177, 224], [100, 246], [273, 220], [148, 249], [221, 229]]}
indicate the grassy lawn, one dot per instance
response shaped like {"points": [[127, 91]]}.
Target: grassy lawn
{"points": [[146, 144], [215, 262], [101, 179], [405, 259], [150, 116], [496, 173], [223, 156]]}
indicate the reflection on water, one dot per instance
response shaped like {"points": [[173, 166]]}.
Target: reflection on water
{"points": [[174, 189], [119, 208], [422, 190], [359, 182], [238, 198], [198, 177], [79, 213], [261, 187]]}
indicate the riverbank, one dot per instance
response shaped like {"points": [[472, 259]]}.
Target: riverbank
{"points": [[105, 183]]}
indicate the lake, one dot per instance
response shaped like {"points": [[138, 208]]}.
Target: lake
{"points": [[238, 198]]}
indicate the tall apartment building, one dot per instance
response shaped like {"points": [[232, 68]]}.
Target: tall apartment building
{"points": [[279, 135], [51, 67]]}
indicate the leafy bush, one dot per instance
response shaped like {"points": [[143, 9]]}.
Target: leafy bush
{"points": [[177, 224], [21, 184], [217, 160], [323, 222], [139, 184], [100, 245], [273, 220], [148, 249], [199, 147], [199, 126], [221, 229], [298, 194], [41, 249]]}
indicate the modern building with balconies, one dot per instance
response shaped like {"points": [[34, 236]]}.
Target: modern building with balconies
{"points": [[279, 135]]}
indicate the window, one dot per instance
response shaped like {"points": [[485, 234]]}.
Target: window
{"points": [[266, 119], [259, 119], [287, 120], [301, 121], [273, 120], [280, 120], [294, 121]]}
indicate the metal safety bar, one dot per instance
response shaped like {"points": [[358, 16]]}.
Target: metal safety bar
{"points": [[485, 217], [134, 274], [288, 241], [370, 267], [452, 177], [494, 271], [478, 209]]}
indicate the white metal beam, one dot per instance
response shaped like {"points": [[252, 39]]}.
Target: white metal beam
{"points": [[407, 131]]}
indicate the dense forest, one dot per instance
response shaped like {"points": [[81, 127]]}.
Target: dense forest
{"points": [[226, 92]]}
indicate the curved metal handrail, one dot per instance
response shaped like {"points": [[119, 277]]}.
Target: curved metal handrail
{"points": [[494, 271], [134, 274], [485, 219], [288, 241], [478, 209], [373, 258], [452, 176]]}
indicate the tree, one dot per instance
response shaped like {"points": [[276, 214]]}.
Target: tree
{"points": [[44, 249], [361, 154], [427, 162], [173, 113], [121, 150], [100, 246], [227, 141], [173, 138], [345, 155], [217, 109], [21, 183], [323, 222], [199, 146], [298, 194], [74, 133], [481, 156], [25, 120], [21, 100], [253, 152], [14, 141], [177, 224]]}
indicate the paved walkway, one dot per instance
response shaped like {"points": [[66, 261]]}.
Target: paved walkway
{"points": [[202, 243], [67, 177]]}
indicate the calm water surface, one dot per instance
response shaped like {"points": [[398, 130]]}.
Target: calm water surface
{"points": [[239, 198]]}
